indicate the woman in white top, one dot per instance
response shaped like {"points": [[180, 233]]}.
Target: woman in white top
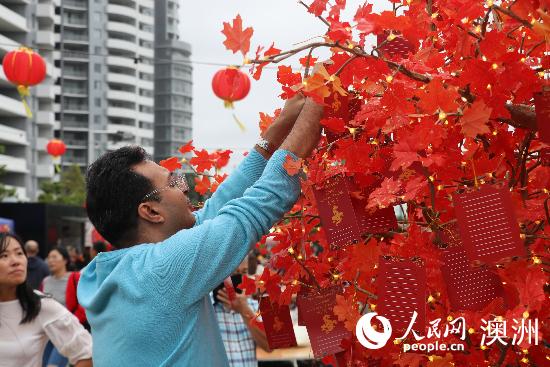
{"points": [[28, 319]]}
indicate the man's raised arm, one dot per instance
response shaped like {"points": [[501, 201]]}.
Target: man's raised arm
{"points": [[251, 168], [217, 246]]}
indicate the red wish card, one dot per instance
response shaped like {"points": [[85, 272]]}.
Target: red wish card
{"points": [[228, 285], [399, 46], [402, 290], [325, 331], [542, 109], [337, 213], [278, 324], [487, 224], [469, 288]]}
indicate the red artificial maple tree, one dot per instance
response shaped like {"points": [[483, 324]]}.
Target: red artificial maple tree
{"points": [[439, 115]]}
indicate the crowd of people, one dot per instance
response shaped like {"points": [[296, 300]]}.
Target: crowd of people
{"points": [[151, 301]]}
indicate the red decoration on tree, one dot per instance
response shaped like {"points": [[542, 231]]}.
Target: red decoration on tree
{"points": [[402, 291], [24, 68], [230, 84]]}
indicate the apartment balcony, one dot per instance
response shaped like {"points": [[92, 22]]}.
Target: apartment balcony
{"points": [[120, 27], [120, 112], [81, 39], [75, 125], [75, 108], [75, 22], [118, 95], [44, 170], [11, 107], [7, 44], [74, 56], [147, 52], [76, 143], [45, 38], [121, 79], [45, 117], [46, 12], [70, 160], [122, 11], [75, 92], [11, 136], [125, 62], [44, 91], [11, 21], [75, 5], [130, 47], [4, 82], [13, 164], [75, 74], [41, 144]]}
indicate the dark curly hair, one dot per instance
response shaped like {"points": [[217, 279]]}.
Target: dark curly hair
{"points": [[30, 301], [114, 192]]}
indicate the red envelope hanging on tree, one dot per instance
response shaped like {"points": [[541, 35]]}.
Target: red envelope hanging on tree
{"points": [[375, 221], [325, 331], [487, 224], [542, 109], [469, 288], [398, 46], [337, 213], [402, 290], [278, 324], [341, 107]]}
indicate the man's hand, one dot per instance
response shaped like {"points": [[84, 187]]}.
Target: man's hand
{"points": [[306, 131], [239, 305], [291, 110], [279, 129]]}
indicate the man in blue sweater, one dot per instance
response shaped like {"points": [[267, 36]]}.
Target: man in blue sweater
{"points": [[147, 302]]}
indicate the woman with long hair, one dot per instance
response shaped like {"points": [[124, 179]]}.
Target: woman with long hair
{"points": [[28, 319]]}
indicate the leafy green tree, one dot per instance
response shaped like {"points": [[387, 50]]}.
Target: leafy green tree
{"points": [[4, 191], [70, 190]]}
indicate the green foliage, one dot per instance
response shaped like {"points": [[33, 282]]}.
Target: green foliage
{"points": [[70, 190], [4, 191]]}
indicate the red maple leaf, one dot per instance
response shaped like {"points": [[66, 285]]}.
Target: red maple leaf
{"points": [[171, 164], [317, 7], [202, 161], [334, 124], [187, 147], [237, 39], [248, 285], [474, 121], [292, 166], [385, 194], [218, 180], [202, 186], [221, 158], [436, 96]]}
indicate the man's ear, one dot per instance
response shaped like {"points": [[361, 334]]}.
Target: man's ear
{"points": [[150, 212]]}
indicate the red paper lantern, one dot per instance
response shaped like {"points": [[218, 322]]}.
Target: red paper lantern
{"points": [[24, 68], [56, 148], [230, 84]]}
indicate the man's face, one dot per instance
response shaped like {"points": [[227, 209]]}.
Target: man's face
{"points": [[174, 205]]}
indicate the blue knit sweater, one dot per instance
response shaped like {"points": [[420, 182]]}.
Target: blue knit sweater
{"points": [[148, 305]]}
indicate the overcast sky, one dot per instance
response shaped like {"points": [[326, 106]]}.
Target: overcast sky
{"points": [[284, 22]]}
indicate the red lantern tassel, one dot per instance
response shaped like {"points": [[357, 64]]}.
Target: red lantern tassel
{"points": [[239, 123], [227, 104], [23, 93]]}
